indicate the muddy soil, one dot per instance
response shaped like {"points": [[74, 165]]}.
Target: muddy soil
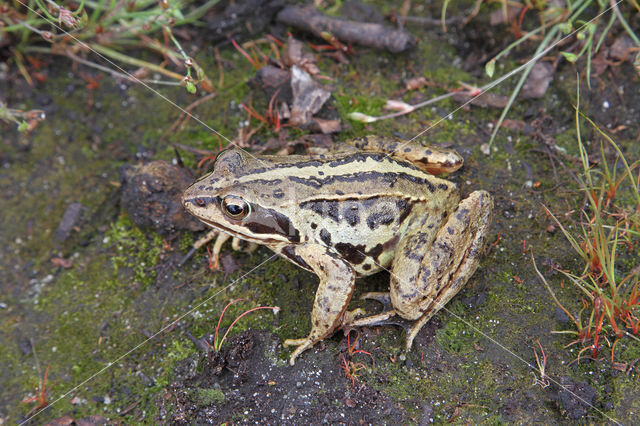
{"points": [[115, 320]]}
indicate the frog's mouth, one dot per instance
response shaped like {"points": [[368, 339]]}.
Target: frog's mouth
{"points": [[238, 234]]}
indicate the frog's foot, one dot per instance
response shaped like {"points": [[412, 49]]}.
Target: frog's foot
{"points": [[388, 316], [302, 345]]}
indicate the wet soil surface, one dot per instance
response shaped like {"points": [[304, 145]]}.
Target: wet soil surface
{"points": [[114, 315]]}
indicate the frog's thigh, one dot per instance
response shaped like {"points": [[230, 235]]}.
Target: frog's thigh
{"points": [[419, 292], [337, 280]]}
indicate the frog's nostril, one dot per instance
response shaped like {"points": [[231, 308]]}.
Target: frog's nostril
{"points": [[201, 201]]}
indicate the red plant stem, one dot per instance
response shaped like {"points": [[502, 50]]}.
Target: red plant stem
{"points": [[215, 337], [253, 113], [245, 54], [275, 308]]}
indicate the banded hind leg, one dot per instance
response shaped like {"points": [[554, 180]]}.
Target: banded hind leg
{"points": [[429, 270]]}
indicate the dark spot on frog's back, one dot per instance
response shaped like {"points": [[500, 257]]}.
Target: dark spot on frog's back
{"points": [[376, 251], [462, 214], [278, 193], [323, 208], [351, 214], [351, 253], [325, 236], [380, 218], [404, 207]]}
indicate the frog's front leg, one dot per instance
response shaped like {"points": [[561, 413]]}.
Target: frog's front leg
{"points": [[337, 280], [425, 278]]}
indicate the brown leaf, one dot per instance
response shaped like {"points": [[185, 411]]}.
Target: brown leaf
{"points": [[498, 17], [92, 421], [538, 81], [515, 125], [327, 126], [622, 49], [61, 262], [308, 96], [599, 63], [229, 264], [61, 421], [416, 83]]}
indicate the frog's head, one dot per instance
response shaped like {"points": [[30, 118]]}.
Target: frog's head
{"points": [[229, 199]]}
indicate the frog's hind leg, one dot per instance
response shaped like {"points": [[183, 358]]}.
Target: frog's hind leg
{"points": [[446, 267]]}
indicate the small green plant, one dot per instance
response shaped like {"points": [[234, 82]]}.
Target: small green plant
{"points": [[609, 246], [217, 344], [24, 120], [588, 21], [106, 28]]}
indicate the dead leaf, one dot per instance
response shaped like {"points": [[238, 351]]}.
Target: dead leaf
{"points": [[62, 262], [599, 63], [622, 49], [498, 17], [293, 55], [61, 421], [94, 420], [516, 125], [327, 126], [229, 264], [308, 96], [538, 81], [416, 83], [274, 80]]}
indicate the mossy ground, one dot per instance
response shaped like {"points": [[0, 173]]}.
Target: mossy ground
{"points": [[470, 363]]}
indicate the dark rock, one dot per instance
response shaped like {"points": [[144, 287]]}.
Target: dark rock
{"points": [[152, 193], [24, 344], [561, 316], [92, 420], [274, 80], [575, 398], [230, 18], [475, 300], [70, 220]]}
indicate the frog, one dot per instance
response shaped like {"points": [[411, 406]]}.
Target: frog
{"points": [[375, 203]]}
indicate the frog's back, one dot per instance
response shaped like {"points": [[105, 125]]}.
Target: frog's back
{"points": [[344, 175]]}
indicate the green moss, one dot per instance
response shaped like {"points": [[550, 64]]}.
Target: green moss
{"points": [[456, 336], [204, 397], [135, 250]]}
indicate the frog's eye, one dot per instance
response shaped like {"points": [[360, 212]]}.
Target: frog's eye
{"points": [[234, 207]]}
